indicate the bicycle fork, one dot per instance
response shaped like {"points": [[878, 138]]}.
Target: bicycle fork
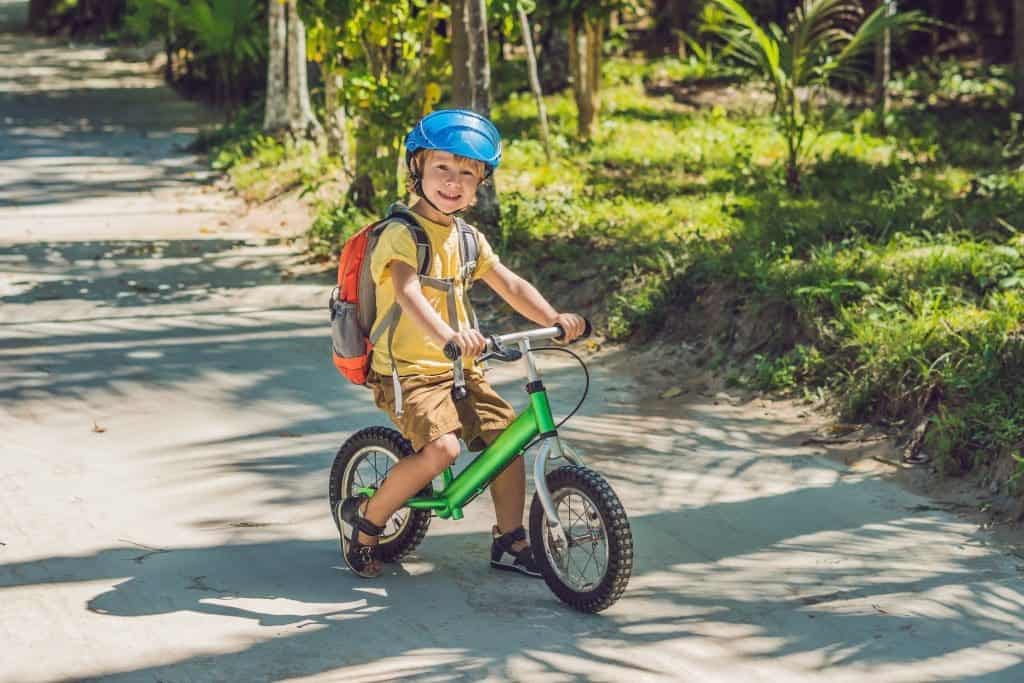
{"points": [[552, 444]]}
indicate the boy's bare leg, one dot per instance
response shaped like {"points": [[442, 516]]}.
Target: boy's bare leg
{"points": [[407, 477], [508, 491]]}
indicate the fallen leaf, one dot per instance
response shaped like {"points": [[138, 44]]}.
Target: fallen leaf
{"points": [[671, 393], [841, 429]]}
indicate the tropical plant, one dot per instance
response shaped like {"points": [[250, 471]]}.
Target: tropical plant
{"points": [[228, 32], [216, 41], [393, 58], [824, 41]]}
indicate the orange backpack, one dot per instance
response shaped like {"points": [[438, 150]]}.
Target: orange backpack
{"points": [[353, 302], [355, 326]]}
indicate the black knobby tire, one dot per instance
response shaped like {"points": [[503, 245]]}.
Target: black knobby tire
{"points": [[568, 482], [381, 442]]}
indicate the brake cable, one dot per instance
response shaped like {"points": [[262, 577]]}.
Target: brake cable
{"points": [[586, 388]]}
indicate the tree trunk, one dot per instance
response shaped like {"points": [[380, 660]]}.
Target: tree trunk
{"points": [[471, 69], [883, 67], [337, 140], [275, 113], [460, 51], [471, 87], [585, 63], [301, 121], [1018, 53], [39, 12], [576, 63], [553, 58], [362, 193], [531, 61], [680, 13], [661, 38]]}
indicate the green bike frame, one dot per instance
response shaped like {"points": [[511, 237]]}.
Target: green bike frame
{"points": [[460, 490], [535, 421]]}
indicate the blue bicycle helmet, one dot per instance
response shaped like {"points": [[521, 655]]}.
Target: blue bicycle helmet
{"points": [[458, 131]]}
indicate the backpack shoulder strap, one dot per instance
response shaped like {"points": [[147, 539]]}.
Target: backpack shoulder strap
{"points": [[398, 212], [469, 250]]}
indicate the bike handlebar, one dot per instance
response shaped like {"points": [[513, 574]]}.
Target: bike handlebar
{"points": [[452, 352]]}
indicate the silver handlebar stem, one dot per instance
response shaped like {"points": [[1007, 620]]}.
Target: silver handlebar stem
{"points": [[531, 365], [541, 334]]}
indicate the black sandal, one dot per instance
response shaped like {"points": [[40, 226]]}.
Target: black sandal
{"points": [[361, 559], [522, 560]]}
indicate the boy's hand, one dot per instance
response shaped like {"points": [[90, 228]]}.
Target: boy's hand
{"points": [[470, 342], [573, 325]]}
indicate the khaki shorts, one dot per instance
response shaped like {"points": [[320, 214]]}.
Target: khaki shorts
{"points": [[429, 412]]}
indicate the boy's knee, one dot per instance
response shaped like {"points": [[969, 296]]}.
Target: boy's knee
{"points": [[442, 452]]}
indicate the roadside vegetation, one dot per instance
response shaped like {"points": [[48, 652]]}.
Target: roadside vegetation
{"points": [[878, 265]]}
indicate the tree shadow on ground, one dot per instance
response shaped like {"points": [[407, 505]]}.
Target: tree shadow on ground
{"points": [[121, 274], [842, 609], [95, 143], [707, 563]]}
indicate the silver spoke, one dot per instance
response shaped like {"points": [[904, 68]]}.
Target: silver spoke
{"points": [[583, 561]]}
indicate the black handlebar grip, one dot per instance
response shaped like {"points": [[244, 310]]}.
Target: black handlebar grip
{"points": [[452, 352], [587, 329]]}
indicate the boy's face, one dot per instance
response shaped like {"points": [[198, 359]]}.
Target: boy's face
{"points": [[450, 181]]}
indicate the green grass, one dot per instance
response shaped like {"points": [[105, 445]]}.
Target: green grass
{"points": [[901, 262], [894, 283], [261, 166]]}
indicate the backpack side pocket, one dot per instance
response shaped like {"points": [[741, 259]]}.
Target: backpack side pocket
{"points": [[347, 338]]}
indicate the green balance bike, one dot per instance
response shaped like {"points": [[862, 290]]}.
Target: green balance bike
{"points": [[578, 529]]}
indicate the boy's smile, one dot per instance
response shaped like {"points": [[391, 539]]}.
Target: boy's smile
{"points": [[449, 197]]}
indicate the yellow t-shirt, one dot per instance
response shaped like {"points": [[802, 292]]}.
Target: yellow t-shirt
{"points": [[415, 352]]}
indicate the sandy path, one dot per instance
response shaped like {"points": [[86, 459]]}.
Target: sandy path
{"points": [[168, 417]]}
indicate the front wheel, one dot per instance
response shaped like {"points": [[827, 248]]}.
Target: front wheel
{"points": [[589, 570]]}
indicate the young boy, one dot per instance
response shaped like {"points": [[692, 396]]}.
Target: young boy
{"points": [[449, 153]]}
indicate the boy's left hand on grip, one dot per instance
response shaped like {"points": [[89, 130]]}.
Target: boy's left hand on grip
{"points": [[572, 325]]}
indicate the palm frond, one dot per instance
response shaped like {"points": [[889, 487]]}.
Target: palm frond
{"points": [[749, 42], [824, 21], [819, 28], [846, 62]]}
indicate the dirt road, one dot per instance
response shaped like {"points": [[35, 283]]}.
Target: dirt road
{"points": [[168, 417]]}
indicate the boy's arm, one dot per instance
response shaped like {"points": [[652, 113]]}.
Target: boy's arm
{"points": [[527, 301], [410, 297]]}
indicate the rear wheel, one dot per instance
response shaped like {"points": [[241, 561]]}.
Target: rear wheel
{"points": [[589, 570], [363, 462]]}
